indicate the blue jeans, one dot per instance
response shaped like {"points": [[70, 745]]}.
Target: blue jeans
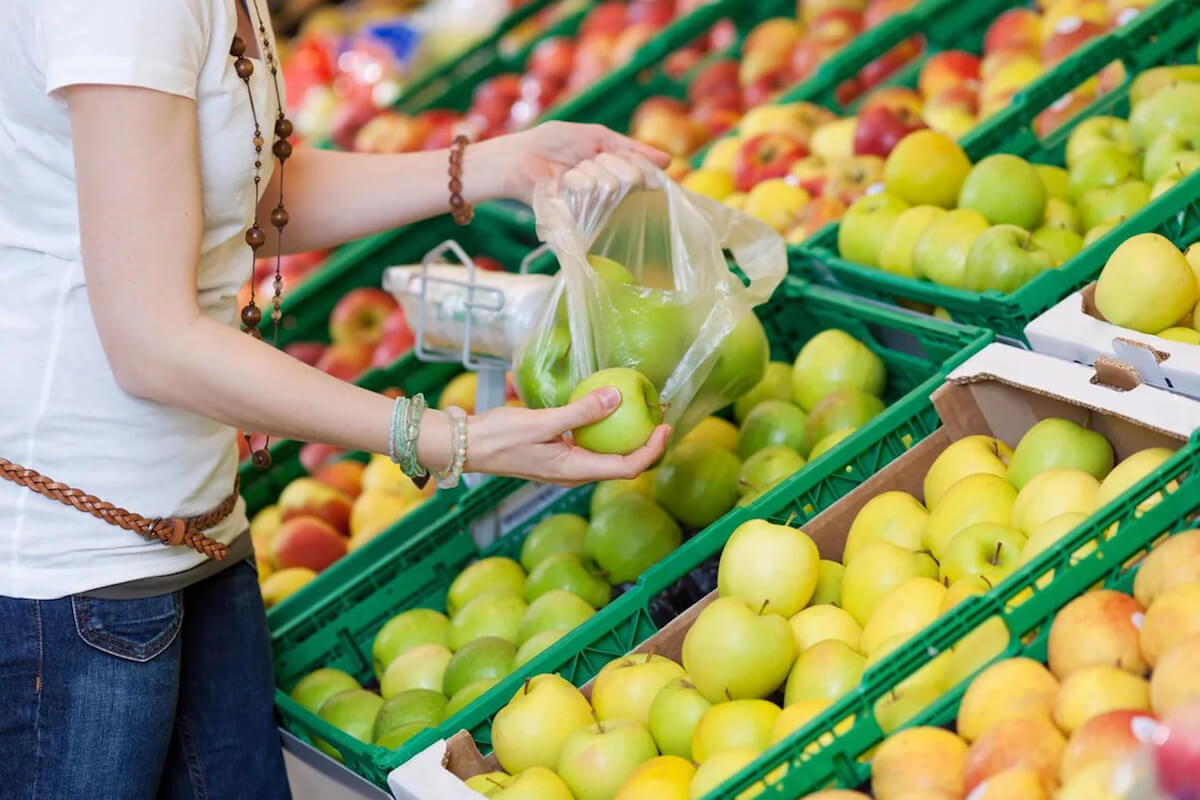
{"points": [[136, 699]]}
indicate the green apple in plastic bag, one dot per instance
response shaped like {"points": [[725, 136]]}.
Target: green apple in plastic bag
{"points": [[650, 330], [543, 373]]}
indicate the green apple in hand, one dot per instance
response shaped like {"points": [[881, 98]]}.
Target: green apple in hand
{"points": [[773, 423], [1109, 202], [482, 576], [1172, 108], [414, 706], [897, 252], [865, 227], [1054, 179], [647, 330], [542, 374], [674, 714], [741, 360], [1095, 132], [319, 685], [1006, 189], [597, 759], [607, 490], [1055, 443], [628, 427], [535, 783], [697, 483], [776, 384], [531, 729], [842, 409], [405, 631], [772, 568], [630, 535], [767, 468], [941, 252], [626, 687], [555, 610], [495, 613], [831, 360], [1004, 258], [1058, 242], [571, 572], [557, 533], [1102, 166], [422, 667], [987, 549], [726, 640], [486, 657]]}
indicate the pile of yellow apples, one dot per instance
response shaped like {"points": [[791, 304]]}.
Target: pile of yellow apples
{"points": [[1117, 664]]}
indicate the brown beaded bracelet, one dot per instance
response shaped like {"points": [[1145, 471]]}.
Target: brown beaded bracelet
{"points": [[462, 213]]}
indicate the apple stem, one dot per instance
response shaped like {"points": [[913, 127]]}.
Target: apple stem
{"points": [[659, 406], [595, 716], [946, 581], [984, 577], [1028, 240], [764, 606], [791, 517], [525, 688], [728, 696], [495, 782], [996, 555]]}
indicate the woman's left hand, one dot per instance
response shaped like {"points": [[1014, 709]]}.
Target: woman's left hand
{"points": [[550, 150]]}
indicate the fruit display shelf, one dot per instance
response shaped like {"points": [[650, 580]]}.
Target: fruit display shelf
{"points": [[834, 749], [1164, 34], [335, 627]]}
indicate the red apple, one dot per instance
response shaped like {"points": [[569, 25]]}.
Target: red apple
{"points": [[894, 98], [878, 11], [593, 60], [769, 155], [553, 58], [606, 18], [807, 56], [879, 70], [819, 213], [1069, 35], [308, 352], [1106, 737], [715, 117], [850, 178], [441, 124], [1018, 29], [849, 90], [1062, 111], [313, 456], [657, 13], [766, 87], [946, 69], [396, 339], [488, 263], [1177, 754], [393, 392], [768, 47], [811, 174], [717, 80], [682, 61], [345, 360], [630, 41], [1110, 78], [358, 317], [880, 129]]}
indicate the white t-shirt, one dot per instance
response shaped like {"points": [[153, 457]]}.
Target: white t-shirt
{"points": [[61, 411]]}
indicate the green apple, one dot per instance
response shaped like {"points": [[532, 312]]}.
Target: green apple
{"points": [[647, 330], [407, 630], [1003, 259], [496, 613], [1054, 443], [610, 270], [395, 738], [776, 384], [422, 667], [941, 253], [1185, 335], [542, 374], [535, 644], [895, 517], [1147, 284], [1185, 164], [420, 706], [484, 575], [1172, 108], [486, 657], [1006, 189], [1095, 132], [1061, 214], [353, 712], [1166, 150], [829, 583], [865, 227], [841, 409], [1054, 492], [570, 572], [926, 167], [819, 622], [741, 360], [1147, 83], [468, 694], [772, 568], [557, 533], [630, 535], [734, 725], [530, 730], [1095, 233], [607, 490], [771, 423], [630, 426], [897, 251], [1058, 242], [597, 759], [316, 687], [626, 686], [555, 610], [1109, 202], [831, 360], [876, 568], [987, 549], [982, 497], [727, 637], [1102, 166], [1054, 179], [535, 783], [825, 671], [674, 714], [697, 483], [767, 468], [826, 444], [718, 769]]}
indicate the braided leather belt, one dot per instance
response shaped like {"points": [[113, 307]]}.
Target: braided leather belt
{"points": [[168, 530]]}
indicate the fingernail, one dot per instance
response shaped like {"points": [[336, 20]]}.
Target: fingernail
{"points": [[610, 397]]}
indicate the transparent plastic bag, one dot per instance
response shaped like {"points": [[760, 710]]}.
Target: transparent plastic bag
{"points": [[644, 283]]}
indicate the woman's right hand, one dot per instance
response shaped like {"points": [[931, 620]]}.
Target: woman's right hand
{"points": [[535, 445]]}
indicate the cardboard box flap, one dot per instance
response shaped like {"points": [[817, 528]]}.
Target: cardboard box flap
{"points": [[979, 396]]}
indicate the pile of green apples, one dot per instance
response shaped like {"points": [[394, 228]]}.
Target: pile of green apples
{"points": [[999, 223]]}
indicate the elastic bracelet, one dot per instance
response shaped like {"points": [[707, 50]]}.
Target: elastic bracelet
{"points": [[410, 431], [458, 450], [398, 409], [462, 213]]}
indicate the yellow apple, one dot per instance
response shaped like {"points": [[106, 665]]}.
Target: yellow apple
{"points": [[1171, 563], [1131, 470], [1014, 687], [662, 778], [895, 517], [772, 568], [625, 687], [1174, 615], [1021, 782], [738, 724], [1095, 690], [825, 671], [1146, 285], [1094, 782], [720, 768], [818, 623], [829, 583], [835, 139], [777, 203], [970, 455], [929, 760], [1051, 493], [982, 497], [722, 154], [1173, 684], [1100, 627], [975, 650], [876, 569], [720, 432], [1014, 743], [926, 168], [796, 716], [713, 183], [904, 610], [896, 254]]}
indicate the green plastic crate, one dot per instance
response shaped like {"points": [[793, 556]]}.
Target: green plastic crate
{"points": [[841, 759], [337, 630], [1166, 33]]}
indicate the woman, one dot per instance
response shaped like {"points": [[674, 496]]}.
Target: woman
{"points": [[136, 142]]}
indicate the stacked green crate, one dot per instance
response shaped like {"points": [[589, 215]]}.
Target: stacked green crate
{"points": [[336, 628]]}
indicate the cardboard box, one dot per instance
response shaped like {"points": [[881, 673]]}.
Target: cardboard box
{"points": [[1074, 330], [1002, 391]]}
